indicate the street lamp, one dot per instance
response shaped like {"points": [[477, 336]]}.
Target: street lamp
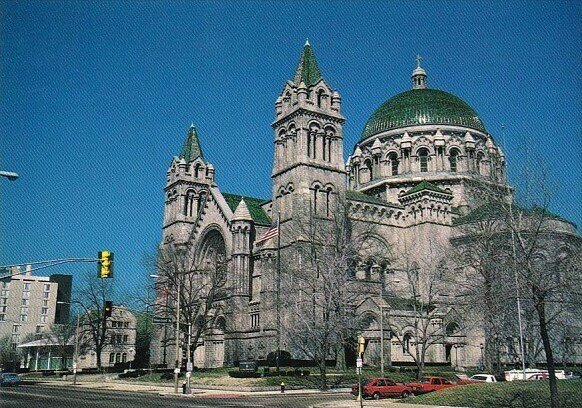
{"points": [[9, 175], [76, 355]]}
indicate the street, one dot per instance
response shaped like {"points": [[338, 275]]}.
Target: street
{"points": [[42, 396]]}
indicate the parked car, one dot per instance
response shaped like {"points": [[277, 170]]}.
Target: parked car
{"points": [[478, 378], [430, 384], [381, 388], [9, 379]]}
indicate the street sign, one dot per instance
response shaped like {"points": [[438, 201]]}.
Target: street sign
{"points": [[359, 363], [188, 374], [162, 320], [176, 371], [189, 366]]}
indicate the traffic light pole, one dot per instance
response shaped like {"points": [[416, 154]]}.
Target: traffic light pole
{"points": [[177, 367]]}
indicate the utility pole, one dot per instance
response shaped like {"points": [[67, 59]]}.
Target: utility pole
{"points": [[76, 351]]}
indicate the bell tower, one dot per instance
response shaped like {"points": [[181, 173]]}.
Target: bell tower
{"points": [[308, 172]]}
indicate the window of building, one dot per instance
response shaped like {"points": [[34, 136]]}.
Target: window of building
{"points": [[23, 318], [406, 343], [15, 328], [2, 317], [24, 310], [3, 309], [423, 159], [25, 302], [3, 301], [44, 311], [4, 284], [47, 287], [125, 338], [26, 286], [45, 302], [111, 358], [16, 338], [254, 320], [393, 158], [45, 295], [25, 295], [43, 318], [118, 338], [118, 358], [39, 329], [4, 293], [126, 324], [453, 159], [124, 358]]}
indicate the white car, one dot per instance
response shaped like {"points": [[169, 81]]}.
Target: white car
{"points": [[483, 378]]}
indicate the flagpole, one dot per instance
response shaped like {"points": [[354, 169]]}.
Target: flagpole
{"points": [[278, 291]]}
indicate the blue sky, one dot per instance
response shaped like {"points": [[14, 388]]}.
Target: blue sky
{"points": [[96, 98]]}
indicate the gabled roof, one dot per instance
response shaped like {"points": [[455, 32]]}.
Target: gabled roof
{"points": [[258, 215], [191, 150], [307, 70], [425, 185]]}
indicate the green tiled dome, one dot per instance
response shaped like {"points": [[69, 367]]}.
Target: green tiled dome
{"points": [[422, 107]]}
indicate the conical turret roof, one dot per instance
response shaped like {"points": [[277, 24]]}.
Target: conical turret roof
{"points": [[242, 212], [191, 150], [307, 70]]}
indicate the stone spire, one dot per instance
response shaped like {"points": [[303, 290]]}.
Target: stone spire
{"points": [[242, 212], [191, 150], [307, 70], [418, 75]]}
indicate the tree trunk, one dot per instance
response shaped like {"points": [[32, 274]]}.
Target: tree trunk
{"points": [[340, 358], [540, 306], [322, 375]]}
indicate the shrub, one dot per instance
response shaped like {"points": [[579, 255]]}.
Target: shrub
{"points": [[243, 374]]}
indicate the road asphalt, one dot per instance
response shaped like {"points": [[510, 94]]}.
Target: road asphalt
{"points": [[168, 390]]}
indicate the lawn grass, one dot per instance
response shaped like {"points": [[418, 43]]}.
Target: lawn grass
{"points": [[514, 394]]}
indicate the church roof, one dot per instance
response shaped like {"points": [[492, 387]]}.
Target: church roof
{"points": [[362, 197], [257, 213], [422, 106], [425, 185], [191, 150], [307, 70]]}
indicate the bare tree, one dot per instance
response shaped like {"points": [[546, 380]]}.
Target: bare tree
{"points": [[200, 285], [419, 315], [94, 329], [318, 288], [62, 336]]}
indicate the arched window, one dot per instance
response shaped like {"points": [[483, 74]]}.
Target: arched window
{"points": [[201, 200], [320, 96], [478, 164], [453, 160], [189, 203], [328, 201], [393, 158], [452, 328], [118, 358], [124, 358], [423, 160], [314, 199], [368, 165], [197, 170]]}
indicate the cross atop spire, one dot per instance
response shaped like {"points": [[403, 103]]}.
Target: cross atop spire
{"points": [[418, 59], [307, 71]]}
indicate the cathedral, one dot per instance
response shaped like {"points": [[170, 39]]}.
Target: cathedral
{"points": [[407, 182]]}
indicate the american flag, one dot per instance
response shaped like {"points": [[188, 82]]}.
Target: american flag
{"points": [[271, 233]]}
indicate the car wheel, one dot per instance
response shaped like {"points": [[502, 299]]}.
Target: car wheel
{"points": [[405, 394], [376, 395]]}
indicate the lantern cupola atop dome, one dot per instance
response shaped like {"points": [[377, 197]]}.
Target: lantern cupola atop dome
{"points": [[418, 75]]}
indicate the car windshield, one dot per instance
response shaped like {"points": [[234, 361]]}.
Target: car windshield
{"points": [[424, 380]]}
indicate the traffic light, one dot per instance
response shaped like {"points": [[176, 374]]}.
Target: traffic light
{"points": [[105, 264], [108, 308], [362, 344]]}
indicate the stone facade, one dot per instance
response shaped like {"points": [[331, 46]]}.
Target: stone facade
{"points": [[410, 176]]}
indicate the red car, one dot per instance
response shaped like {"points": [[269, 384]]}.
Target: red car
{"points": [[382, 387], [430, 384]]}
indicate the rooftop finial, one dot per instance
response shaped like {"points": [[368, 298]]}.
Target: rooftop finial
{"points": [[418, 75], [307, 42]]}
